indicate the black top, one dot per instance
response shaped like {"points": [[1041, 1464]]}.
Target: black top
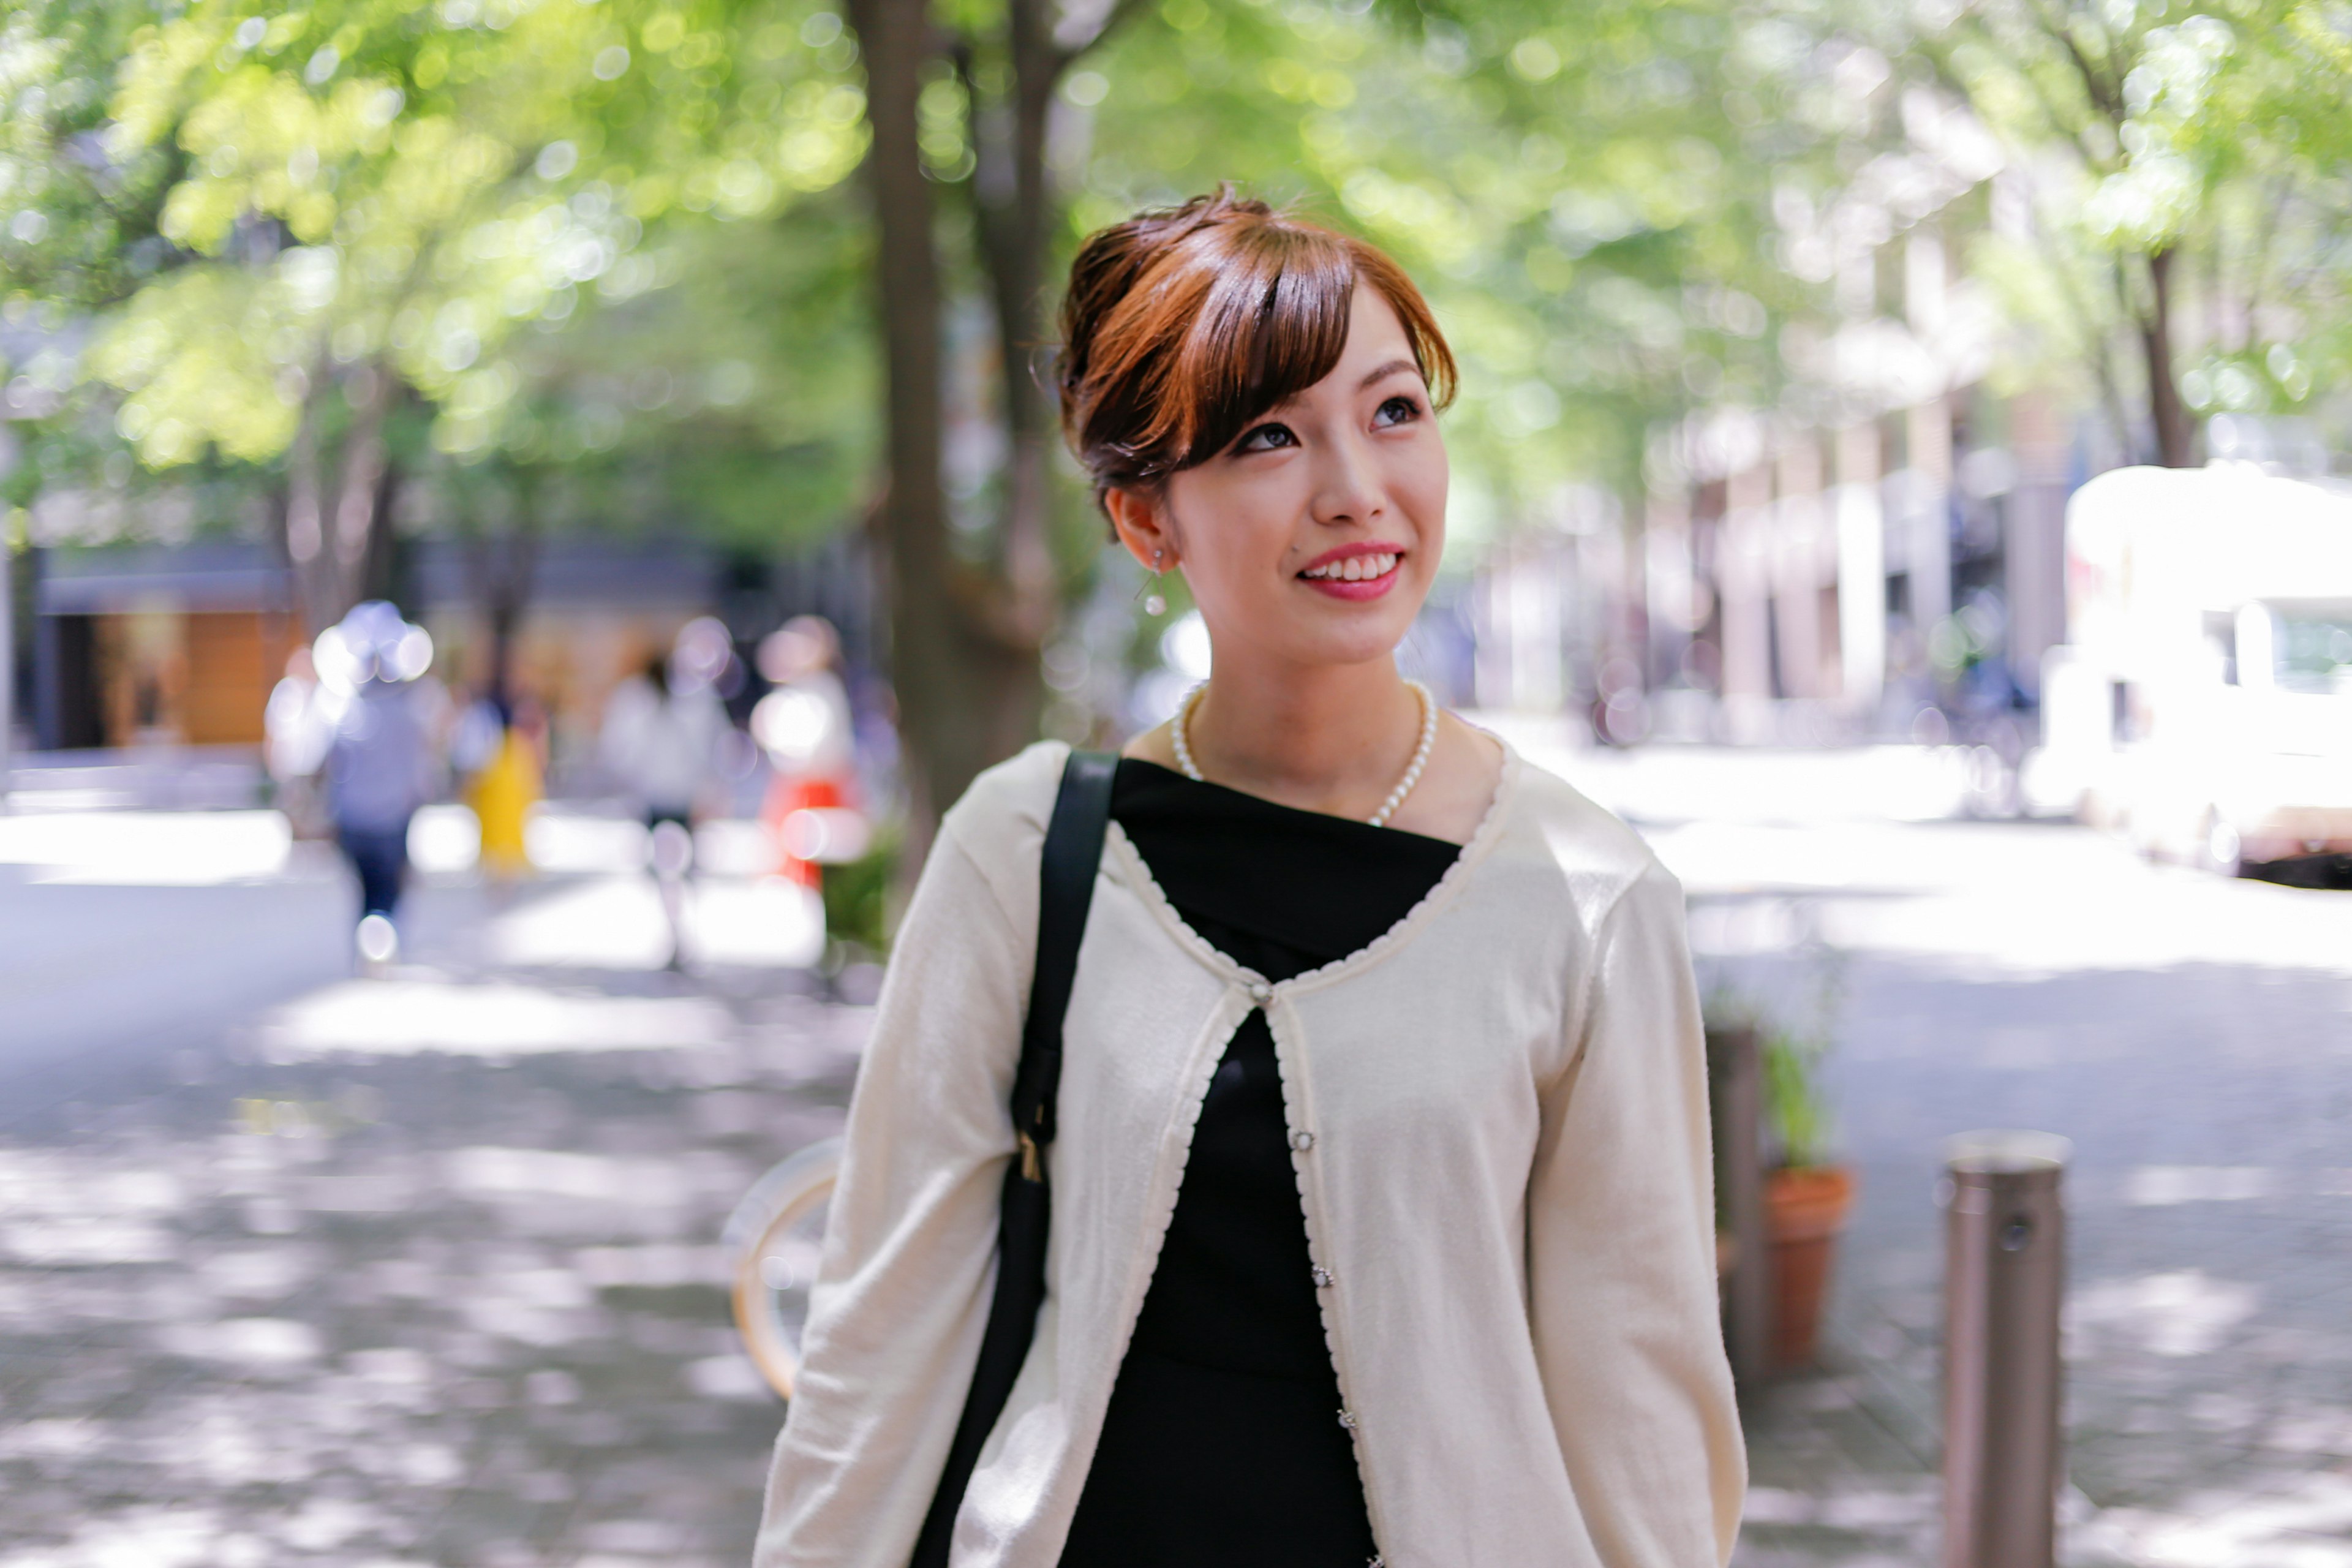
{"points": [[1223, 1444]]}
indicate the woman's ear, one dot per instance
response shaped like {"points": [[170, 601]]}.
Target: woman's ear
{"points": [[1141, 524]]}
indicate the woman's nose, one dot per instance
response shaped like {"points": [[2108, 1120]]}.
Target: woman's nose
{"points": [[1347, 484]]}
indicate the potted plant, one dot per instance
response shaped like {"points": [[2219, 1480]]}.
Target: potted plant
{"points": [[1782, 1198], [1808, 1195]]}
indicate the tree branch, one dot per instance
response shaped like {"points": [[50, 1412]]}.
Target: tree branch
{"points": [[2105, 90], [1114, 17], [2096, 341], [2255, 270]]}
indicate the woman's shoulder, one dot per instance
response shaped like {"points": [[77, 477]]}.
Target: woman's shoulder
{"points": [[1019, 789], [1569, 838], [1000, 820]]}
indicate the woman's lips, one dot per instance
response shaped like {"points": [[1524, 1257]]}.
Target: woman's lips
{"points": [[1357, 588]]}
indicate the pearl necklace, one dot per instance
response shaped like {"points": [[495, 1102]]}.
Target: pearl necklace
{"points": [[1183, 747]]}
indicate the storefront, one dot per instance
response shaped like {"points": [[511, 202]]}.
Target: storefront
{"points": [[172, 646]]}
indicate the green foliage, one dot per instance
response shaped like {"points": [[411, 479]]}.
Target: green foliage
{"points": [[2211, 137], [1795, 1102], [857, 895], [620, 238], [81, 218], [535, 213], [741, 398], [1793, 1056], [372, 181], [225, 217], [1585, 194]]}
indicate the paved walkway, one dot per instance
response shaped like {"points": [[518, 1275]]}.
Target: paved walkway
{"points": [[423, 1271], [429, 1309], [2192, 1037]]}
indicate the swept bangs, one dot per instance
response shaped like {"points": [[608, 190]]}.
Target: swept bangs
{"points": [[1184, 326]]}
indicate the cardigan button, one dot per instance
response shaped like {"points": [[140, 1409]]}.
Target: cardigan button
{"points": [[1261, 995], [1302, 1140], [1347, 1419], [1322, 1278]]}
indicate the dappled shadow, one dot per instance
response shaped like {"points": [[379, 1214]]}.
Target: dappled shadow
{"points": [[356, 1304]]}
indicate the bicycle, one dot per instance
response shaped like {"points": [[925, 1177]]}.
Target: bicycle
{"points": [[774, 1238]]}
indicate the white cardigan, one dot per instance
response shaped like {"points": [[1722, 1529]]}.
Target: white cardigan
{"points": [[1499, 1118]]}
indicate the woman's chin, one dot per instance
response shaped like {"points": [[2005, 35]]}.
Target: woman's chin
{"points": [[1372, 638]]}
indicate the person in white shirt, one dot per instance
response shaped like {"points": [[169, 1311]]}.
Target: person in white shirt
{"points": [[661, 741], [660, 738]]}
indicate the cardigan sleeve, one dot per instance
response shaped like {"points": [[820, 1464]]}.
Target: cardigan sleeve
{"points": [[1620, 1242], [901, 1295]]}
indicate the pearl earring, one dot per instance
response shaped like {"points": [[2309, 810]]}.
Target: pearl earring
{"points": [[1154, 603]]}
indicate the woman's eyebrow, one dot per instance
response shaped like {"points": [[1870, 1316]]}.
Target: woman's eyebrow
{"points": [[1380, 373]]}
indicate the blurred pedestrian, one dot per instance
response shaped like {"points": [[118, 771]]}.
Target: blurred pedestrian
{"points": [[379, 757], [296, 729], [805, 729], [510, 783], [1382, 1193], [661, 737]]}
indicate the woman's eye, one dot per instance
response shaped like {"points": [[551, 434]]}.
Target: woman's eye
{"points": [[1266, 438], [1397, 410]]}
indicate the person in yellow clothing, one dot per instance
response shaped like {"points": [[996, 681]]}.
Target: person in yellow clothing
{"points": [[505, 787]]}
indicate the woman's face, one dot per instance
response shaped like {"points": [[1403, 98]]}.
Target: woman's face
{"points": [[1313, 539]]}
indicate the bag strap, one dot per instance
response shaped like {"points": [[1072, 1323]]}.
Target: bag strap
{"points": [[1066, 887]]}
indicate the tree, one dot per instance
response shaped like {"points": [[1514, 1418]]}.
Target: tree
{"points": [[1560, 183], [1587, 195], [365, 206], [962, 98], [2187, 170]]}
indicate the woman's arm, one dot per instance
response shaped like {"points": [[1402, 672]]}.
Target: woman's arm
{"points": [[1621, 1241], [901, 1298]]}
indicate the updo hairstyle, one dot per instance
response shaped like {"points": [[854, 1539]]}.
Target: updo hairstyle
{"points": [[1184, 324]]}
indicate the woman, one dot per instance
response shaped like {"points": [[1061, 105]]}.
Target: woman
{"points": [[1382, 1224], [806, 728]]}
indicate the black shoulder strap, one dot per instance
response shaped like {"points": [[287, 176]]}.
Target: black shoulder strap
{"points": [[1065, 887]]}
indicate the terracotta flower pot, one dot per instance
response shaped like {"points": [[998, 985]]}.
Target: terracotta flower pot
{"points": [[1804, 1210]]}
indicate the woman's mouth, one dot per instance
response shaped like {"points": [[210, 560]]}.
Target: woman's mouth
{"points": [[1362, 576]]}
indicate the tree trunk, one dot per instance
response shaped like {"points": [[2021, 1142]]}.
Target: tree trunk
{"points": [[365, 462], [964, 642], [377, 577], [1015, 214], [510, 596], [305, 523], [332, 534], [966, 698], [504, 566], [2176, 430]]}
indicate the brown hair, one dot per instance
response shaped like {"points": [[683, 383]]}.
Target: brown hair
{"points": [[1182, 326]]}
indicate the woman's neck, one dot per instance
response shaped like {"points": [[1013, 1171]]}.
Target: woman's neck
{"points": [[1329, 738]]}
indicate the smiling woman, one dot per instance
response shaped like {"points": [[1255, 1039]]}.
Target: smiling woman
{"points": [[1382, 1223], [1255, 398]]}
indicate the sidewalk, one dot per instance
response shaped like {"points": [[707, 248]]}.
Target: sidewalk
{"points": [[2185, 1032], [2209, 1320], [422, 1271]]}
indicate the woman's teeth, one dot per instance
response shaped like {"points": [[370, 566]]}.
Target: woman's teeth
{"points": [[1355, 569]]}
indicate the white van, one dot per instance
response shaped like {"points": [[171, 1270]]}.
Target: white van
{"points": [[2202, 702]]}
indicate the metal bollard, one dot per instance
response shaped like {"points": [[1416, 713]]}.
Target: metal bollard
{"points": [[2005, 1276], [1736, 1084]]}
